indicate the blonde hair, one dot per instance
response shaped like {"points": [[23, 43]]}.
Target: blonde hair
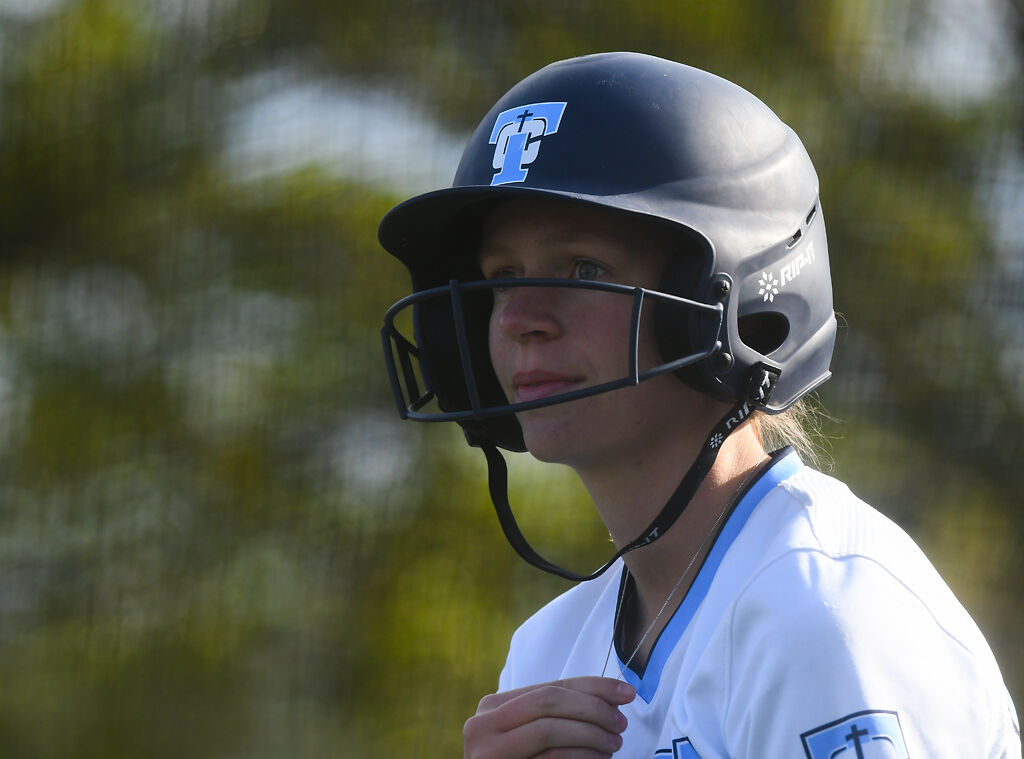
{"points": [[799, 426]]}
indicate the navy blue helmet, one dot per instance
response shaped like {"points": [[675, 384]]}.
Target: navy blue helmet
{"points": [[638, 135]]}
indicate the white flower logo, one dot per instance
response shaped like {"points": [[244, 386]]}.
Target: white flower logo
{"points": [[717, 439], [769, 286]]}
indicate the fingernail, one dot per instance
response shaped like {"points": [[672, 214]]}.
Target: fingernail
{"points": [[621, 723], [626, 690]]}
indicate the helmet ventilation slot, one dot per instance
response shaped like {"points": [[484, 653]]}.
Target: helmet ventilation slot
{"points": [[798, 234]]}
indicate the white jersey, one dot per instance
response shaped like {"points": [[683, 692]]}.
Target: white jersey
{"points": [[816, 628]]}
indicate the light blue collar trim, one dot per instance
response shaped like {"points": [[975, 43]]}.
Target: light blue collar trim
{"points": [[787, 465]]}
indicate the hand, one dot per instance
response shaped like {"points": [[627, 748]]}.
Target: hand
{"points": [[577, 718]]}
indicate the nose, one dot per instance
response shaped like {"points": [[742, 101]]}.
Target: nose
{"points": [[527, 313]]}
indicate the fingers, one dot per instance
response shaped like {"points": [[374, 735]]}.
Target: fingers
{"points": [[583, 702], [577, 717], [548, 733], [608, 689]]}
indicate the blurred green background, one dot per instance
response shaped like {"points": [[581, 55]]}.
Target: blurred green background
{"points": [[217, 539]]}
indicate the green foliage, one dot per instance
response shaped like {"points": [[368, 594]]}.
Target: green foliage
{"points": [[218, 540]]}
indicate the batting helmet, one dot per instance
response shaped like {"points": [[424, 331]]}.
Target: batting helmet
{"points": [[645, 136], [639, 135]]}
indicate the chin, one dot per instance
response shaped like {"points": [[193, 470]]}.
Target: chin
{"points": [[565, 442], [549, 436]]}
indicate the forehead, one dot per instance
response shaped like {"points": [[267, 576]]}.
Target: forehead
{"points": [[552, 222]]}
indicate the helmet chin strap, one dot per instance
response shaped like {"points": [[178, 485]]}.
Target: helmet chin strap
{"points": [[497, 480]]}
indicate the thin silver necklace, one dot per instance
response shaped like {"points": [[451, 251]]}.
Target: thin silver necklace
{"points": [[700, 549]]}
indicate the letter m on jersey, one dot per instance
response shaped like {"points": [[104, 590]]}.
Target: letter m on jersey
{"points": [[681, 749], [516, 138]]}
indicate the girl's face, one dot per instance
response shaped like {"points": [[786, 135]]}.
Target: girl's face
{"points": [[545, 341]]}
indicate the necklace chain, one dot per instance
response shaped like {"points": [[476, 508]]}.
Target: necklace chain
{"points": [[700, 549]]}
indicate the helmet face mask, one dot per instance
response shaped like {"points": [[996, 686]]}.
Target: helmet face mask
{"points": [[429, 365]]}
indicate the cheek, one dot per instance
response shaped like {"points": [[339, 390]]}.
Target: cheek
{"points": [[495, 344], [609, 333], [650, 354], [611, 339]]}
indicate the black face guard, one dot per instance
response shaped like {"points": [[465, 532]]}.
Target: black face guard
{"points": [[406, 360], [479, 405]]}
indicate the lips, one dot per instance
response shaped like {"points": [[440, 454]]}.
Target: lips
{"points": [[531, 385]]}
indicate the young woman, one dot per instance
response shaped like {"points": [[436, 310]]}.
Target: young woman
{"points": [[630, 277]]}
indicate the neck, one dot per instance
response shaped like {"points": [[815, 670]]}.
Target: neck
{"points": [[629, 497], [658, 567]]}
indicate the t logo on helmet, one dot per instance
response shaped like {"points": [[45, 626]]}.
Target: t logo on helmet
{"points": [[516, 138]]}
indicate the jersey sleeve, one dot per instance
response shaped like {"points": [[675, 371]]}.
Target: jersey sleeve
{"points": [[836, 657]]}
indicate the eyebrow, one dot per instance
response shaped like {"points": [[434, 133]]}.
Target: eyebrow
{"points": [[552, 239]]}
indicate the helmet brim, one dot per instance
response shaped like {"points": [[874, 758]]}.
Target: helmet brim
{"points": [[419, 231]]}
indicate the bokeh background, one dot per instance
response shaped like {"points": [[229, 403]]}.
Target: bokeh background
{"points": [[217, 539]]}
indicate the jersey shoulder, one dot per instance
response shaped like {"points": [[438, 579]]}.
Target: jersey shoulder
{"points": [[812, 542], [550, 637], [837, 612], [811, 512]]}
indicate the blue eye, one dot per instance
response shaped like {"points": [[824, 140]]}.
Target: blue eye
{"points": [[501, 274], [587, 270], [507, 272]]}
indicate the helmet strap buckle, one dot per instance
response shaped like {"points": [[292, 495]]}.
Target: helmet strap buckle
{"points": [[763, 379]]}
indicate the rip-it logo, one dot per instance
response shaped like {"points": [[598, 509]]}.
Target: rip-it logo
{"points": [[770, 285]]}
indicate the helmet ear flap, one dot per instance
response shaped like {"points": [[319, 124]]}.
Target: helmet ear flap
{"points": [[441, 363], [678, 331]]}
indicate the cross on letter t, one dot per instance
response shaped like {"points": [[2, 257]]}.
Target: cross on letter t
{"points": [[855, 736]]}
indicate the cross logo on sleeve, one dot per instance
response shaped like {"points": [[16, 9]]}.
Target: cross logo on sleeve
{"points": [[864, 735]]}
